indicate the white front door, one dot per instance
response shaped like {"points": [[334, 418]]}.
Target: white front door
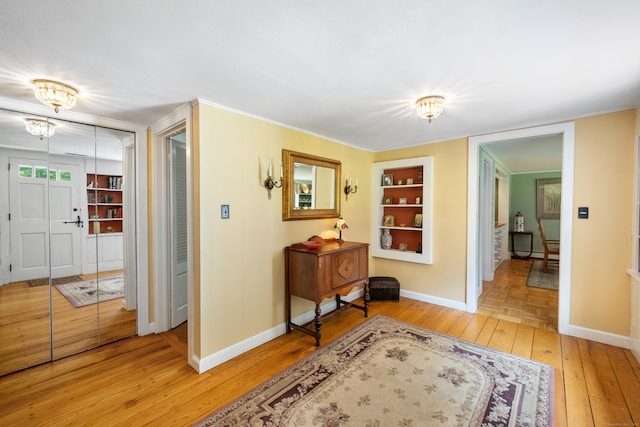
{"points": [[178, 222], [29, 219], [67, 225], [32, 184]]}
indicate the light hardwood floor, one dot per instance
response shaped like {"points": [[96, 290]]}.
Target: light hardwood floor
{"points": [[27, 326], [146, 380], [508, 297]]}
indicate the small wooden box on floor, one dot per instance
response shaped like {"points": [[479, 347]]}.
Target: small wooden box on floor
{"points": [[384, 288]]}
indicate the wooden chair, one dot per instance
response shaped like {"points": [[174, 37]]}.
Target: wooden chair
{"points": [[550, 246]]}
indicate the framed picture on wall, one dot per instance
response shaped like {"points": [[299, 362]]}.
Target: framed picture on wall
{"points": [[548, 198], [417, 220]]}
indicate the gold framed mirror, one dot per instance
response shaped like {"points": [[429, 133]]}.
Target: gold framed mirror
{"points": [[311, 186]]}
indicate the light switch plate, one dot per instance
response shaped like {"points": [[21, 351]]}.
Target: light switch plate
{"points": [[224, 211], [583, 212]]}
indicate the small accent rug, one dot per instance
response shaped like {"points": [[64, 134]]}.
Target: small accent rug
{"points": [[91, 291], [57, 281], [386, 372], [539, 279]]}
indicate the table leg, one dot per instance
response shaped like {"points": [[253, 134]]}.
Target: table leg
{"points": [[318, 323], [367, 297]]}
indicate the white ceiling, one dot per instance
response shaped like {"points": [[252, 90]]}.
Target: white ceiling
{"points": [[346, 70], [529, 155]]}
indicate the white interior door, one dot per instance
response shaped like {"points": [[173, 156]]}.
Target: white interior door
{"points": [[31, 185], [66, 219], [29, 219], [179, 232]]}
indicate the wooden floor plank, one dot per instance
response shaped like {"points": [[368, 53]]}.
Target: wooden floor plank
{"points": [[577, 397], [548, 349], [523, 342], [503, 336], [605, 396], [461, 324], [627, 380], [487, 331]]}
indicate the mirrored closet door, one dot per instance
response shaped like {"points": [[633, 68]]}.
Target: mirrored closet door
{"points": [[64, 200]]}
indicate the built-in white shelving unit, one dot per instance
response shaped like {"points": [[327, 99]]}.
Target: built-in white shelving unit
{"points": [[410, 205]]}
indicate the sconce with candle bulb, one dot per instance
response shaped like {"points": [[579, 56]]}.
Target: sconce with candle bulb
{"points": [[269, 182], [349, 189]]}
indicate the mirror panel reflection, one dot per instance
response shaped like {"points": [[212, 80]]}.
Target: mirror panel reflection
{"points": [[310, 186], [62, 286]]}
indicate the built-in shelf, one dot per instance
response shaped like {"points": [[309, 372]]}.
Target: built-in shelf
{"points": [[409, 205], [104, 203]]}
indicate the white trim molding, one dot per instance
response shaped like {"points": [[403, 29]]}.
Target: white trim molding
{"points": [[433, 300], [598, 336], [567, 130], [179, 118], [237, 349]]}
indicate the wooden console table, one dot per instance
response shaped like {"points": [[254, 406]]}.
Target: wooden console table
{"points": [[331, 269]]}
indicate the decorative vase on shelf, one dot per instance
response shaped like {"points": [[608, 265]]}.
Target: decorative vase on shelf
{"points": [[386, 239]]}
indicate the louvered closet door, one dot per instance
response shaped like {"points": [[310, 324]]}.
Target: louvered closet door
{"points": [[179, 235]]}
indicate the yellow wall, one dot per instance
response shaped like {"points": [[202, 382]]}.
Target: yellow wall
{"points": [[240, 267], [445, 278], [602, 244], [239, 263]]}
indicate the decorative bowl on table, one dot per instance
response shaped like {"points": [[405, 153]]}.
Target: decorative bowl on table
{"points": [[313, 244]]}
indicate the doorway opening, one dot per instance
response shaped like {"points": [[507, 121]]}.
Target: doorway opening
{"points": [[476, 244], [172, 226], [514, 284]]}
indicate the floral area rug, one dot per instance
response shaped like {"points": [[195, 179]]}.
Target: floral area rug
{"points": [[390, 373], [91, 291], [539, 279]]}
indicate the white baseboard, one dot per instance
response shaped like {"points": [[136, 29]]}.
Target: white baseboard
{"points": [[215, 359], [434, 300], [146, 328], [599, 336]]}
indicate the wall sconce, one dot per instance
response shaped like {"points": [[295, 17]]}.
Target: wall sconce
{"points": [[269, 183], [349, 189]]}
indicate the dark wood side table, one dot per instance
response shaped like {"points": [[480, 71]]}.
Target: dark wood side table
{"points": [[330, 270], [514, 254]]}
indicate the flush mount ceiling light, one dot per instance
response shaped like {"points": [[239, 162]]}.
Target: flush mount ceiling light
{"points": [[39, 127], [56, 94], [430, 107]]}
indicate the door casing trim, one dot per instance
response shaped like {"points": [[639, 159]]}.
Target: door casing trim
{"points": [[567, 130]]}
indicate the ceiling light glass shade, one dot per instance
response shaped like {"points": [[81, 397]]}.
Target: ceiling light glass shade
{"points": [[58, 95], [39, 127], [430, 107]]}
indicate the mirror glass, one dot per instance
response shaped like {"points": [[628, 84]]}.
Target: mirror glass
{"points": [[311, 186], [65, 284]]}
